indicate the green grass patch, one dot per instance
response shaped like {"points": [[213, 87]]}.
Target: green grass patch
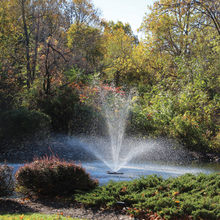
{"points": [[35, 216], [186, 197]]}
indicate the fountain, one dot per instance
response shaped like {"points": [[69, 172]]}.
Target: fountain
{"points": [[115, 150], [119, 157], [121, 153], [116, 106]]}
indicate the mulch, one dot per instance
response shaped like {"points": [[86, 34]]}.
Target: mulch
{"points": [[53, 206]]}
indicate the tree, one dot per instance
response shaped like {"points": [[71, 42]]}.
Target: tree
{"points": [[86, 44], [83, 12], [119, 44], [10, 53], [36, 25], [34, 22], [175, 29], [208, 9], [182, 46], [46, 21]]}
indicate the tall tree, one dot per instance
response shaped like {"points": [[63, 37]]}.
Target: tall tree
{"points": [[119, 44], [208, 9], [83, 12], [86, 44], [84, 35], [173, 30], [36, 23]]}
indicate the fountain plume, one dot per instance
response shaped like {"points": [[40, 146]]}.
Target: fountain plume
{"points": [[116, 149], [115, 105]]}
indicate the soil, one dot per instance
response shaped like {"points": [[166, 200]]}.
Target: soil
{"points": [[52, 206]]}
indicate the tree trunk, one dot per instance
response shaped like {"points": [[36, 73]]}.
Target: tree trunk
{"points": [[116, 78], [28, 67]]}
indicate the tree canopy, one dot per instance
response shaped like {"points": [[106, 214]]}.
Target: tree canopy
{"points": [[52, 51]]}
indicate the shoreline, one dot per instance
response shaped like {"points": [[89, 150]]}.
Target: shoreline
{"points": [[62, 147]]}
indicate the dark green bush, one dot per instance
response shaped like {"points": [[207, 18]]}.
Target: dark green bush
{"points": [[50, 176], [68, 114], [22, 122], [190, 196], [6, 180]]}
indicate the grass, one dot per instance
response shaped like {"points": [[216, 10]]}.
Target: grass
{"points": [[185, 197], [35, 216]]}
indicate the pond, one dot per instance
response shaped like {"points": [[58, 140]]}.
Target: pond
{"points": [[135, 170]]}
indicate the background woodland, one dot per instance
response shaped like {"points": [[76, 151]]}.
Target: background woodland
{"points": [[54, 54]]}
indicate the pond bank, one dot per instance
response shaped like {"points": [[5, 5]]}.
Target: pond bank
{"points": [[59, 146], [54, 146], [204, 156]]}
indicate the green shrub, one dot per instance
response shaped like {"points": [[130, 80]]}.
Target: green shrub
{"points": [[186, 197], [187, 118], [6, 180], [50, 176], [140, 123], [22, 122], [68, 115]]}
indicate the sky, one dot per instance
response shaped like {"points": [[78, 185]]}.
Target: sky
{"points": [[131, 11]]}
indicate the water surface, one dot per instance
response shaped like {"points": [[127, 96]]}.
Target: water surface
{"points": [[132, 171]]}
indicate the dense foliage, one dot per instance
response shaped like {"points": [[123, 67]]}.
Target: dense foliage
{"points": [[182, 47], [185, 197], [6, 180], [50, 176], [52, 51], [22, 122]]}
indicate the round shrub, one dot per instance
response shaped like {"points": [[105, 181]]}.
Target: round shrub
{"points": [[50, 176], [6, 180]]}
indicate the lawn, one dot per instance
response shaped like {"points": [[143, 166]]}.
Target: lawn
{"points": [[35, 216]]}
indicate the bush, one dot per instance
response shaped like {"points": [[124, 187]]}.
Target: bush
{"points": [[50, 176], [190, 196], [189, 118], [6, 180], [22, 122], [68, 115]]}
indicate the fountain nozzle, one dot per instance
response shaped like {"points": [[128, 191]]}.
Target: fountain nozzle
{"points": [[114, 173]]}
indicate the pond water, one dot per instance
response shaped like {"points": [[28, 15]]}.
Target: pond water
{"points": [[131, 171]]}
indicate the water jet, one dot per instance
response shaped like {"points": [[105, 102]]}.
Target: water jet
{"points": [[115, 149], [113, 104]]}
